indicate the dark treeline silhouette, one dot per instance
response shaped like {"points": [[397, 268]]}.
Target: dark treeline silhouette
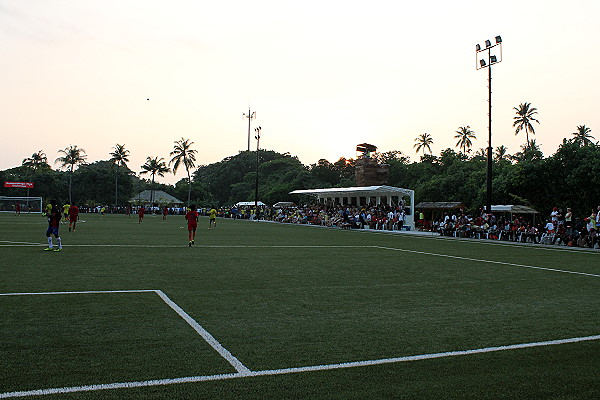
{"points": [[568, 178]]}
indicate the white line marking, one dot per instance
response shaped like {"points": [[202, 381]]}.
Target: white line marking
{"points": [[241, 368], [214, 343], [10, 242], [324, 367], [477, 241], [185, 245], [81, 292], [487, 261]]}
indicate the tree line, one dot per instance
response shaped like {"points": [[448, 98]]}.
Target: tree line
{"points": [[568, 178]]}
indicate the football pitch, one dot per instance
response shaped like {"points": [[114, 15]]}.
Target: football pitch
{"points": [[258, 310]]}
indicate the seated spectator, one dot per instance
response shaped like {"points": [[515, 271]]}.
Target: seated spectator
{"points": [[560, 235], [592, 238], [531, 234], [583, 238]]}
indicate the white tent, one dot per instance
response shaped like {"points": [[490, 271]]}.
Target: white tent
{"points": [[248, 204], [158, 196], [513, 209], [284, 204]]}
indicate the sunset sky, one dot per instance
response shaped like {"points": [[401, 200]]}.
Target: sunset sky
{"points": [[321, 75]]}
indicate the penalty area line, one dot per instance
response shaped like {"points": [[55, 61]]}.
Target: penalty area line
{"points": [[214, 343], [272, 372]]}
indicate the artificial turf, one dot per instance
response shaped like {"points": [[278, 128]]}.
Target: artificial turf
{"points": [[280, 296]]}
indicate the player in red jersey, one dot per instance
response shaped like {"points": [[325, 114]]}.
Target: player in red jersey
{"points": [[141, 214], [73, 217], [192, 220], [54, 217]]}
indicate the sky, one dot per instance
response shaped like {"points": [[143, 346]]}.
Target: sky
{"points": [[321, 75]]}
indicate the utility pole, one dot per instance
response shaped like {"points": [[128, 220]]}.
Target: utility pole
{"points": [[257, 137], [250, 116]]}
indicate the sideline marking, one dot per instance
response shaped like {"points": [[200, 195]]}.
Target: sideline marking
{"points": [[10, 242], [323, 367]]}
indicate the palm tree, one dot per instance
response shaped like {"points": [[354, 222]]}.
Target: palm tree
{"points": [[154, 166], [501, 153], [464, 136], [524, 118], [36, 161], [72, 156], [423, 141], [582, 136], [184, 154], [120, 158]]}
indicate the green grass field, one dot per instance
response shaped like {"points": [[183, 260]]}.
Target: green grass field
{"points": [[291, 312]]}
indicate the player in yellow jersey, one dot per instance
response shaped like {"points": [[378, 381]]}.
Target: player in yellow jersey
{"points": [[212, 218], [66, 212]]}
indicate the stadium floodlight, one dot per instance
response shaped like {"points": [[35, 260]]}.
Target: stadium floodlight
{"points": [[479, 64]]}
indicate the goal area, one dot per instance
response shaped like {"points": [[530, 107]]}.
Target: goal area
{"points": [[21, 204]]}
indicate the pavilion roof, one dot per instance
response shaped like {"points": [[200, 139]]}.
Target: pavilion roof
{"points": [[358, 191]]}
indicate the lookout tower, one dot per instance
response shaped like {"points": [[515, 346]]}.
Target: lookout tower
{"points": [[368, 171]]}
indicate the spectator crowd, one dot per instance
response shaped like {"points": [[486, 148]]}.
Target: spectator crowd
{"points": [[560, 227]]}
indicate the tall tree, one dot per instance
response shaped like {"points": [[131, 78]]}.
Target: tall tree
{"points": [[184, 154], [464, 134], [524, 118], [154, 166], [422, 142], [119, 157], [72, 156], [37, 161], [582, 136]]}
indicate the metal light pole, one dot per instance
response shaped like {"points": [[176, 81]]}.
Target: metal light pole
{"points": [[250, 115], [257, 137], [481, 63]]}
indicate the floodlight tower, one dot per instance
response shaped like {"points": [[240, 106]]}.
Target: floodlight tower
{"points": [[481, 63], [250, 116]]}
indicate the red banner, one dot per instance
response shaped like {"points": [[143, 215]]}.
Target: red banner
{"points": [[28, 185]]}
